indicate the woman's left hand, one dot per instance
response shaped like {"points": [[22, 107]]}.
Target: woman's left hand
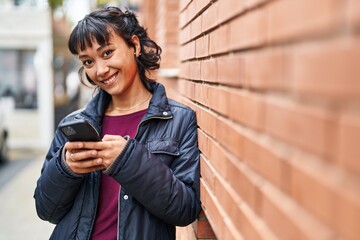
{"points": [[108, 149]]}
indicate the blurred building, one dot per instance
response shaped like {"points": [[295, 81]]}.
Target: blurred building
{"points": [[26, 76]]}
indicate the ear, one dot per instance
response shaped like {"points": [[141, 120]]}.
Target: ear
{"points": [[137, 47]]}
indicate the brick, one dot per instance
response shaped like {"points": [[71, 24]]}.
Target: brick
{"points": [[183, 19], [203, 193], [186, 88], [246, 108], [288, 220], [289, 20], [230, 232], [203, 143], [183, 4], [230, 8], [236, 104], [348, 142], [202, 46], [219, 40], [187, 51], [230, 135], [200, 5], [347, 208], [245, 182], [195, 70], [192, 11], [219, 100], [312, 190], [210, 17], [233, 215], [253, 227], [265, 159], [185, 34], [269, 70], [195, 27], [201, 93], [248, 30], [184, 71], [209, 70], [254, 3], [229, 200], [328, 70], [240, 214], [331, 196], [253, 111], [204, 230], [207, 121], [207, 172], [230, 70], [310, 128], [218, 158], [213, 211]]}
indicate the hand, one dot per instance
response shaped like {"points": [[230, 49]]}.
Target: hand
{"points": [[82, 160], [85, 157]]}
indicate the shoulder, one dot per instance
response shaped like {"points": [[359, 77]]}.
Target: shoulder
{"points": [[182, 113], [72, 115], [177, 106]]}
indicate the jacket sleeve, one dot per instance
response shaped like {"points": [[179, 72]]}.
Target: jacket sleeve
{"points": [[56, 189], [169, 192]]}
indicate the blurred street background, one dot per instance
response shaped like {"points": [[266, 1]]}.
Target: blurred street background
{"points": [[18, 219]]}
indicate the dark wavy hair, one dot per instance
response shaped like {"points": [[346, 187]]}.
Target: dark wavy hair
{"points": [[98, 24]]}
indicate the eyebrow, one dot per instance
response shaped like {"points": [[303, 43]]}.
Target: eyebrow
{"points": [[97, 50]]}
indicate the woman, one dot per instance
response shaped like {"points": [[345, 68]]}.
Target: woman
{"points": [[142, 179]]}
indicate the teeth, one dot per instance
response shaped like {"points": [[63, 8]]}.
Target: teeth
{"points": [[110, 80]]}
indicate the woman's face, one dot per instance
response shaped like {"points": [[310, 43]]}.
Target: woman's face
{"points": [[112, 66]]}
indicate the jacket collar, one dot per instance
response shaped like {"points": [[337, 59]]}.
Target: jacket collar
{"points": [[158, 107], [159, 103]]}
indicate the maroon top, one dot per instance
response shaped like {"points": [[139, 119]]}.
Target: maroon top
{"points": [[106, 222]]}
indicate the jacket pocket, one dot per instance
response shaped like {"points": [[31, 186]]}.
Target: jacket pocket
{"points": [[166, 146], [166, 149]]}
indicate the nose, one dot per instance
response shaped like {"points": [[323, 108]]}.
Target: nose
{"points": [[101, 69]]}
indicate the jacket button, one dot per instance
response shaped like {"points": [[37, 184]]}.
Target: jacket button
{"points": [[165, 113], [126, 197]]}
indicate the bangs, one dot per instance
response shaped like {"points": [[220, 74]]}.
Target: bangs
{"points": [[87, 31]]}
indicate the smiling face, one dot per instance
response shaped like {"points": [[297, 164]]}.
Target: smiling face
{"points": [[112, 66]]}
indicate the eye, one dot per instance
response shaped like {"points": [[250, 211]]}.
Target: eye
{"points": [[87, 63], [107, 53]]}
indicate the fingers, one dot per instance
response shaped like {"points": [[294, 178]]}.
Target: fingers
{"points": [[72, 146], [84, 157], [108, 137], [85, 167], [84, 161]]}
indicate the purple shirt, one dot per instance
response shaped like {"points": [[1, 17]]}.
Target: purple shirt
{"points": [[106, 222]]}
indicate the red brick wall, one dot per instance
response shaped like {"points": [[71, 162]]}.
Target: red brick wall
{"points": [[276, 88]]}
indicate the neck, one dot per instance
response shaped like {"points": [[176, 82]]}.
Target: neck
{"points": [[135, 106], [127, 103]]}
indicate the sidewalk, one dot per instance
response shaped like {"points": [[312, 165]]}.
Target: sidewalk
{"points": [[18, 219]]}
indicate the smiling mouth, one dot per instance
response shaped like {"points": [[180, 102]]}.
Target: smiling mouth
{"points": [[110, 80]]}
